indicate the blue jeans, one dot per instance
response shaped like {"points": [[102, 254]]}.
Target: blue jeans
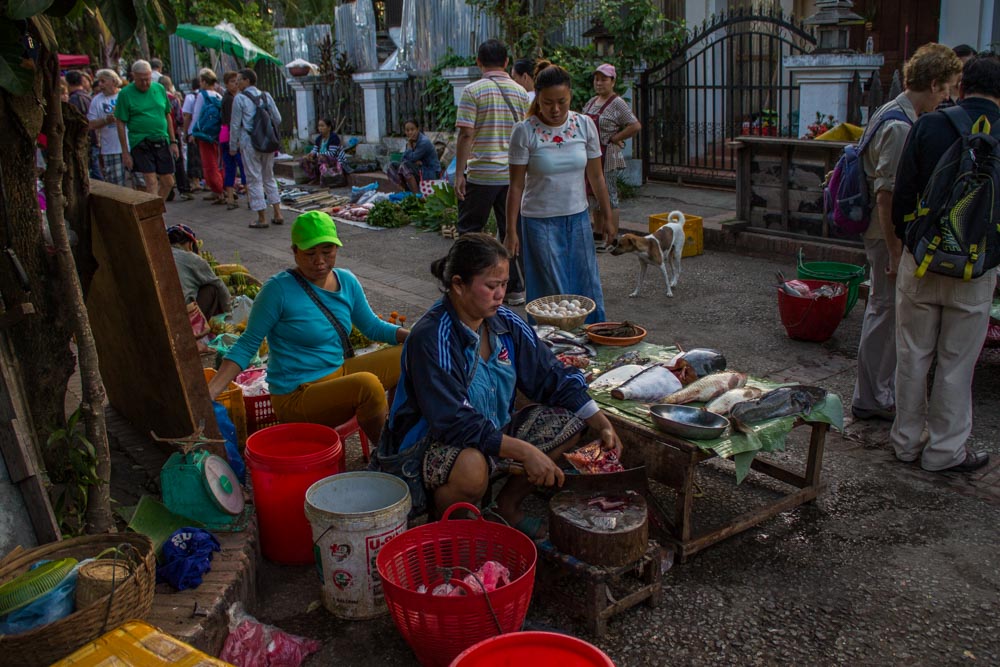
{"points": [[229, 165]]}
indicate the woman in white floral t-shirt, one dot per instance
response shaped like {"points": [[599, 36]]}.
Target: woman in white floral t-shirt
{"points": [[616, 123], [551, 152]]}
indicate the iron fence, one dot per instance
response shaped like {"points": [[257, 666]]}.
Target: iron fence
{"points": [[412, 99], [342, 100], [271, 79]]}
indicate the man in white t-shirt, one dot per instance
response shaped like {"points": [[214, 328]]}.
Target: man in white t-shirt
{"points": [[157, 66], [101, 119]]}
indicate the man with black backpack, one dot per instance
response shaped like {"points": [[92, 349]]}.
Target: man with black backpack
{"points": [[939, 315], [253, 132], [928, 76]]}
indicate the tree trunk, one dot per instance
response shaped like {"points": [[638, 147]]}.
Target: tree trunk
{"points": [[41, 341], [99, 518]]}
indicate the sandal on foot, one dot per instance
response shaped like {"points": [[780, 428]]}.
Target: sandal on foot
{"points": [[257, 225], [232, 206], [277, 221]]}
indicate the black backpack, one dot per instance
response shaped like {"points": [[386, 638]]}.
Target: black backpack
{"points": [[264, 135], [955, 230]]}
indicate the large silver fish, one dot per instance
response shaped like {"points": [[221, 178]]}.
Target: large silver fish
{"points": [[780, 402], [649, 385], [615, 377], [723, 404], [706, 388]]}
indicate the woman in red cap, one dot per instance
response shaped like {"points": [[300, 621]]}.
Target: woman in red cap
{"points": [[615, 121], [307, 313]]}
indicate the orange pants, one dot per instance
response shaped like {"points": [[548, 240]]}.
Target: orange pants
{"points": [[209, 153], [356, 388]]}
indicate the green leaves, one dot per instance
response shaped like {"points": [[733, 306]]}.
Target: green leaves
{"points": [[120, 17], [162, 12], [24, 9], [17, 74]]}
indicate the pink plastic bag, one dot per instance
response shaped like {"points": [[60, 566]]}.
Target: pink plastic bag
{"points": [[253, 644]]}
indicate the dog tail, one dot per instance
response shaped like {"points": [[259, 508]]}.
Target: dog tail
{"points": [[676, 216]]}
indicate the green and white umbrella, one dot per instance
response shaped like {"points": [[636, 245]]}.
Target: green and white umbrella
{"points": [[225, 38]]}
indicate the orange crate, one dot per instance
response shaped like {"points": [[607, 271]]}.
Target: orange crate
{"points": [[694, 235]]}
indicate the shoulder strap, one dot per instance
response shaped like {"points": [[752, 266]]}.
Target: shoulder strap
{"points": [[345, 339], [506, 99], [610, 100], [959, 119], [892, 114]]}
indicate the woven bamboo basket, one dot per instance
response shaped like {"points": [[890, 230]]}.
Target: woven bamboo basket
{"points": [[568, 323], [132, 598], [98, 578]]}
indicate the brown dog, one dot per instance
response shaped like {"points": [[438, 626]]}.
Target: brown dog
{"points": [[662, 248]]}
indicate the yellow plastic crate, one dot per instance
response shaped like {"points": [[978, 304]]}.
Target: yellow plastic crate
{"points": [[694, 236], [138, 644]]}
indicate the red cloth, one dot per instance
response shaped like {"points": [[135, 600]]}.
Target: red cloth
{"points": [[210, 169]]}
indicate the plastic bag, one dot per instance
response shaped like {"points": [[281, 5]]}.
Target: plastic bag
{"points": [[357, 192], [253, 644], [187, 556], [228, 430], [240, 310], [449, 173], [253, 382], [57, 603]]}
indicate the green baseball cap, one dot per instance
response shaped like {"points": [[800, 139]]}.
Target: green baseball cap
{"points": [[312, 229]]}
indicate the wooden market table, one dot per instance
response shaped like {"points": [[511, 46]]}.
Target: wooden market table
{"points": [[672, 461]]}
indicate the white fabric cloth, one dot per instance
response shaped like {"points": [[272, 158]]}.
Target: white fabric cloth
{"points": [[875, 387], [943, 317], [189, 100], [261, 186], [101, 107], [557, 159]]}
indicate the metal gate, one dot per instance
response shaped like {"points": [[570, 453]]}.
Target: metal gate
{"points": [[271, 78], [726, 80]]}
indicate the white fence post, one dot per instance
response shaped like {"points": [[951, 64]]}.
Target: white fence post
{"points": [[374, 85]]}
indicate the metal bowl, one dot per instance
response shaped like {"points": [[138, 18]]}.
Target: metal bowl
{"points": [[688, 422]]}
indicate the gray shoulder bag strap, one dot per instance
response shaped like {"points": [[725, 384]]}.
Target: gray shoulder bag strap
{"points": [[345, 339], [517, 117]]}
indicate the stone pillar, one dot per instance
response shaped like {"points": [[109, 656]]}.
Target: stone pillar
{"points": [[305, 104], [374, 85], [459, 78], [824, 80]]}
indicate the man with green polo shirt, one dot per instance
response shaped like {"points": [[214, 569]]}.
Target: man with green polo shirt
{"points": [[487, 112], [143, 109]]}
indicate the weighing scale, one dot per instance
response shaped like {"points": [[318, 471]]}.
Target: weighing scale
{"points": [[202, 486]]}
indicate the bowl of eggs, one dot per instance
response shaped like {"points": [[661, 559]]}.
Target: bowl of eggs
{"points": [[566, 311]]}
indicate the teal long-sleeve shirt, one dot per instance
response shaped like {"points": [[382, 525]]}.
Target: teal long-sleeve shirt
{"points": [[303, 345]]}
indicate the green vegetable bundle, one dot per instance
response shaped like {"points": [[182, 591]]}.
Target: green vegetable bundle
{"points": [[387, 214], [439, 209]]}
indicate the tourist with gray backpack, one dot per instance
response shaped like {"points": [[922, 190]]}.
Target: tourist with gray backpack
{"points": [[253, 133], [946, 212]]}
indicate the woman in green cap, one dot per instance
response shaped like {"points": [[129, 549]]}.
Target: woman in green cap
{"points": [[307, 314]]}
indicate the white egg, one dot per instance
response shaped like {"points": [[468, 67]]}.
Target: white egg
{"points": [[564, 303], [575, 302]]}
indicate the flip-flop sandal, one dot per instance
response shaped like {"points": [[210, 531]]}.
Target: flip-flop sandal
{"points": [[232, 207], [257, 225], [277, 221]]}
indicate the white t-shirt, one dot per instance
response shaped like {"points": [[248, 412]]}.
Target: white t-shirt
{"points": [[101, 107], [557, 159], [199, 102]]}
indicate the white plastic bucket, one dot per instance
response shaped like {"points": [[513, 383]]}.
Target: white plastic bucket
{"points": [[353, 515]]}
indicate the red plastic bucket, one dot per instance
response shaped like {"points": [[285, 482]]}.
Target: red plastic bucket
{"points": [[284, 461], [812, 319], [533, 648]]}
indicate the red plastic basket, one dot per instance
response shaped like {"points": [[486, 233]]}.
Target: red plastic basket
{"points": [[439, 628], [260, 413]]}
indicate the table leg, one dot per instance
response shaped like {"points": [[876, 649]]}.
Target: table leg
{"points": [[597, 624], [814, 463]]}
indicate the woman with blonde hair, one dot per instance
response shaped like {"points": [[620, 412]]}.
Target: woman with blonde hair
{"points": [[551, 154], [206, 138]]}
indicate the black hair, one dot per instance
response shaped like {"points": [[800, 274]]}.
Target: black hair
{"points": [[249, 75], [981, 75], [963, 50], [416, 123], [195, 83], [155, 63], [548, 75], [469, 256], [74, 78], [325, 119], [492, 53], [524, 66]]}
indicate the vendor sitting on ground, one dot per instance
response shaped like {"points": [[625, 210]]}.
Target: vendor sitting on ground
{"points": [[467, 357], [327, 158], [198, 280], [307, 313], [420, 160]]}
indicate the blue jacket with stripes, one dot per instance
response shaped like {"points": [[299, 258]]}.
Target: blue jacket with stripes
{"points": [[438, 357]]}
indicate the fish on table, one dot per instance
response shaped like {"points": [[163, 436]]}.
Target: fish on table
{"points": [[723, 404], [705, 389], [616, 376], [703, 360], [648, 385], [780, 402]]}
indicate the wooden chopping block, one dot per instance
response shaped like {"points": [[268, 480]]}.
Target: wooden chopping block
{"points": [[613, 537]]}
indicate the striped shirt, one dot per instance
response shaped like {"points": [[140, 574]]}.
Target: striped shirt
{"points": [[484, 108]]}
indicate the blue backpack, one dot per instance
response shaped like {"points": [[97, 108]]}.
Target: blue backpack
{"points": [[846, 196], [209, 123]]}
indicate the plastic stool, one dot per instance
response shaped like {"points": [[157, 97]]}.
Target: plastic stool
{"points": [[351, 427]]}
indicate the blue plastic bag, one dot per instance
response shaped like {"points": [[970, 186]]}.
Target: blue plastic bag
{"points": [[187, 556], [449, 173], [357, 192], [228, 431], [57, 603]]}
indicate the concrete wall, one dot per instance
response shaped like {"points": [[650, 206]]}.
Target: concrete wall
{"points": [[15, 525], [972, 22]]}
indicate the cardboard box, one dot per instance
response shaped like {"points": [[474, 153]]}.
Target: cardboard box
{"points": [[694, 238]]}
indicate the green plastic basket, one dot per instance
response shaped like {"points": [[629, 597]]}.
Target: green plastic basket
{"points": [[850, 275]]}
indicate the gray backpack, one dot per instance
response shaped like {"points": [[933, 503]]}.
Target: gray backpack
{"points": [[264, 135]]}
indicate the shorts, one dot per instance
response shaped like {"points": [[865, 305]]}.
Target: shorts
{"points": [[547, 428], [153, 157], [611, 178]]}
